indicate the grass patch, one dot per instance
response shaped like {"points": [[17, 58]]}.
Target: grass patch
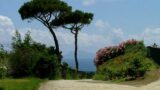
{"points": [[20, 84]]}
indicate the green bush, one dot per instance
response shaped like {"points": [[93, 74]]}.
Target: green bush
{"points": [[29, 62], [3, 72], [29, 58], [131, 65], [45, 68], [124, 68]]}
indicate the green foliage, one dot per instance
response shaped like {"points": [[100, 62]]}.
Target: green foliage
{"points": [[16, 40], [3, 62], [46, 8], [131, 65], [3, 72], [20, 84], [30, 58], [67, 72], [99, 76], [75, 18], [45, 67], [2, 52], [136, 48]]}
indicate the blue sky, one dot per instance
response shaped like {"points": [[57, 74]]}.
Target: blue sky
{"points": [[114, 21]]}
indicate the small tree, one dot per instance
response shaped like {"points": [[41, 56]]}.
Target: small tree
{"points": [[45, 11], [74, 21]]}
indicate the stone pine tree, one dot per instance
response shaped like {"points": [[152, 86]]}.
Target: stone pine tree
{"points": [[74, 21], [45, 11]]}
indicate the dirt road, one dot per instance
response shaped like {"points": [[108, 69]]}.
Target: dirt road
{"points": [[93, 85]]}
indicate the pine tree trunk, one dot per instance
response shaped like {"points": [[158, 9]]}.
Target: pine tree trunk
{"points": [[76, 49], [56, 45]]}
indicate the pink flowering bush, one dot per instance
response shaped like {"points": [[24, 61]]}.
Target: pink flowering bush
{"points": [[107, 53], [127, 61]]}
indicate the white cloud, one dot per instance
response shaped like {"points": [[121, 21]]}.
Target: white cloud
{"points": [[6, 30], [101, 24], [84, 39], [111, 0], [38, 35], [88, 2], [107, 36], [66, 39], [6, 22], [93, 2], [90, 39], [109, 30], [151, 32], [149, 36], [118, 31]]}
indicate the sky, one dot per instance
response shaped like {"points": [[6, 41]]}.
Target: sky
{"points": [[114, 21]]}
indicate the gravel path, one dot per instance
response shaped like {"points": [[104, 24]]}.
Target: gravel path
{"points": [[93, 85]]}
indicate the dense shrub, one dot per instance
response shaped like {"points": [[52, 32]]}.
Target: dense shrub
{"points": [[29, 58], [131, 65], [44, 68]]}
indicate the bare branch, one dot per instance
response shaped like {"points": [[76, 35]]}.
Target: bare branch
{"points": [[41, 20], [73, 32], [70, 28], [49, 16]]}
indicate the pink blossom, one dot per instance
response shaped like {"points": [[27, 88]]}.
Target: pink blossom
{"points": [[112, 51]]}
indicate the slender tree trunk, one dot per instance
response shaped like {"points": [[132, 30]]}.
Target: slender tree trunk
{"points": [[56, 45], [76, 49]]}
